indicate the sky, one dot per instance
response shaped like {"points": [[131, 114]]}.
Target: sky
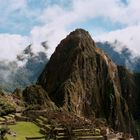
{"points": [[25, 22]]}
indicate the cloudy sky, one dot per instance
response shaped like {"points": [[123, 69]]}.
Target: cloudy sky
{"points": [[24, 22]]}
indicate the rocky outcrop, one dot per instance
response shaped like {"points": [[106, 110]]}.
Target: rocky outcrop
{"points": [[35, 97], [17, 93], [82, 79], [130, 89], [6, 104]]}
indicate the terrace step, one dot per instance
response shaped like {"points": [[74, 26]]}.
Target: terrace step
{"points": [[45, 120], [90, 138]]}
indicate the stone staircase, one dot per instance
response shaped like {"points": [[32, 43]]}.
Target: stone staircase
{"points": [[59, 132]]}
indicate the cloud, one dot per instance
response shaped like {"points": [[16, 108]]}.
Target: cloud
{"points": [[21, 15], [53, 20], [82, 10], [9, 7], [53, 35], [128, 36], [11, 45], [58, 21]]}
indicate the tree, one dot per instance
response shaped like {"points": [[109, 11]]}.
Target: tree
{"points": [[3, 131]]}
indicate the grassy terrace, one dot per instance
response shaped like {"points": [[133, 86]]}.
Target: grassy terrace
{"points": [[24, 129]]}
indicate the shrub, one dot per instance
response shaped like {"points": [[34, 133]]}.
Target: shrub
{"points": [[3, 131], [6, 108]]}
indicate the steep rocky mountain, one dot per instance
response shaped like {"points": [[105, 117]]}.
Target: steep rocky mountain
{"points": [[81, 78], [123, 57]]}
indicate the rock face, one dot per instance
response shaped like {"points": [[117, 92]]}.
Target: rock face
{"points": [[7, 106], [130, 90], [82, 79], [35, 97], [137, 82]]}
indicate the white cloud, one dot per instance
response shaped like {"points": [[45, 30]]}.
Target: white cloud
{"points": [[128, 36], [16, 4], [57, 20], [82, 10], [52, 34], [7, 7], [11, 45]]}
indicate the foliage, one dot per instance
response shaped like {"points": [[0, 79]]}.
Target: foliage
{"points": [[3, 131], [6, 108], [35, 97]]}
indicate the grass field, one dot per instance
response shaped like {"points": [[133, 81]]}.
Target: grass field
{"points": [[24, 129]]}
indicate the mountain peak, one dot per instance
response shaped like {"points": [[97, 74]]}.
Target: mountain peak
{"points": [[79, 40], [80, 34]]}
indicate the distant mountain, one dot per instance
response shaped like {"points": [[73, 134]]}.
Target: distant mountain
{"points": [[123, 57], [13, 75]]}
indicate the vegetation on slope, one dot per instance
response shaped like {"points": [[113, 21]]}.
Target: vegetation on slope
{"points": [[5, 106], [36, 98]]}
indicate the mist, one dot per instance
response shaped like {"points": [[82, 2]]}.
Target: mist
{"points": [[23, 71], [121, 54]]}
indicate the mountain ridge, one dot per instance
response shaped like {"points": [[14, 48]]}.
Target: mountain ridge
{"points": [[123, 57]]}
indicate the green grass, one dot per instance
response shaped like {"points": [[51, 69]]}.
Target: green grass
{"points": [[24, 129]]}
